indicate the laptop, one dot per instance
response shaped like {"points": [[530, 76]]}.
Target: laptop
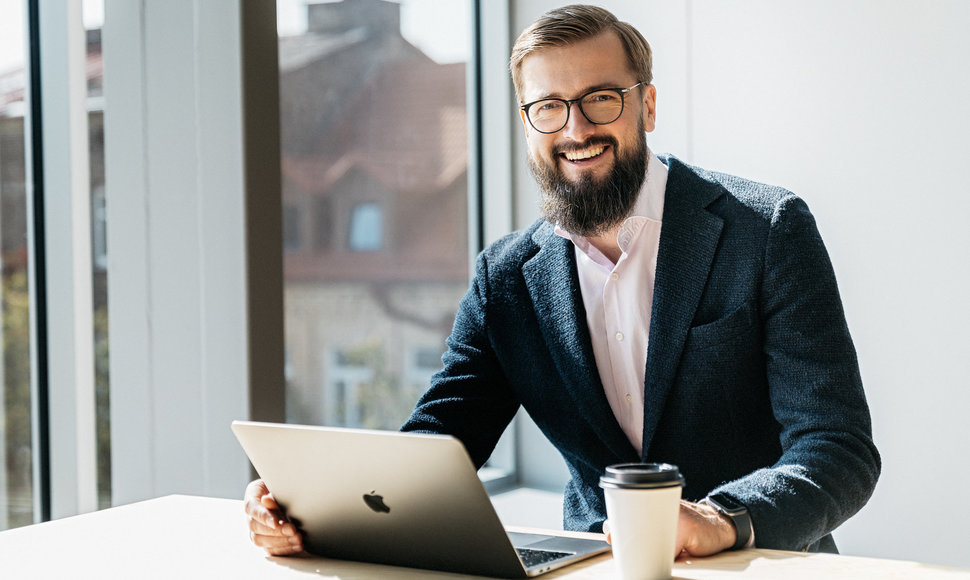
{"points": [[404, 499]]}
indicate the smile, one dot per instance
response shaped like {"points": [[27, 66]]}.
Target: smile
{"points": [[583, 154]]}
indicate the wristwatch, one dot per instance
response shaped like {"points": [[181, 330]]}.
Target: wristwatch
{"points": [[736, 512]]}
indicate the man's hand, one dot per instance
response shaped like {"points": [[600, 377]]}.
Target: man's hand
{"points": [[701, 531], [268, 526]]}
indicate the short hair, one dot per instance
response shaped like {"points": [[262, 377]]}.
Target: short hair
{"points": [[564, 26]]}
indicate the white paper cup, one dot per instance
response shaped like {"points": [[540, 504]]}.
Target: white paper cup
{"points": [[642, 504]]}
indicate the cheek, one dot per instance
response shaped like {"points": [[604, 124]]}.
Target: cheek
{"points": [[630, 136], [540, 146]]}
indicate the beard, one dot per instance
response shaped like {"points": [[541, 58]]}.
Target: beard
{"points": [[590, 207]]}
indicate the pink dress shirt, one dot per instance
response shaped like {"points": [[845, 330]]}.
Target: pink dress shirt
{"points": [[618, 298]]}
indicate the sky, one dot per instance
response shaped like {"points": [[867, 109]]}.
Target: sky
{"points": [[11, 34], [13, 24], [440, 28]]}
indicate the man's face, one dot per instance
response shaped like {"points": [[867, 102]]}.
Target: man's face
{"points": [[589, 174]]}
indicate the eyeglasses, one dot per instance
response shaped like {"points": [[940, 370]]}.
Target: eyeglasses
{"points": [[600, 107]]}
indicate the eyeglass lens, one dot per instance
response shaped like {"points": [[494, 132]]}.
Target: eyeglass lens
{"points": [[599, 107]]}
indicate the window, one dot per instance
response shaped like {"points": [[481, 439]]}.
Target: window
{"points": [[375, 164], [422, 363], [321, 224], [16, 457], [25, 423], [351, 387], [374, 130], [93, 18], [292, 232], [366, 228]]}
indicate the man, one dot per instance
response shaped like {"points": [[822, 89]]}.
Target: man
{"points": [[657, 312]]}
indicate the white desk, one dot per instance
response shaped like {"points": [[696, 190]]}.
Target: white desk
{"points": [[194, 537]]}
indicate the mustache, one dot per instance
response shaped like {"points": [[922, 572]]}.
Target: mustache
{"points": [[591, 142]]}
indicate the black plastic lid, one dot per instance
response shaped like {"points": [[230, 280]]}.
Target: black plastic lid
{"points": [[641, 476]]}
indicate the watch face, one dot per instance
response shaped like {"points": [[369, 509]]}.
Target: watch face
{"points": [[727, 504]]}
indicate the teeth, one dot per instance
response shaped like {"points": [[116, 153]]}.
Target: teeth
{"points": [[584, 154]]}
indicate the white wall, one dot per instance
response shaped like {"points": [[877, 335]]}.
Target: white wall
{"points": [[860, 107]]}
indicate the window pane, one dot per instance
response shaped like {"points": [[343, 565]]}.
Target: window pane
{"points": [[375, 162], [366, 227], [93, 18], [16, 480]]}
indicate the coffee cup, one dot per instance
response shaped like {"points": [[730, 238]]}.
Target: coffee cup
{"points": [[642, 505]]}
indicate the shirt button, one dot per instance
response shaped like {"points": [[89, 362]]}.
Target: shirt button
{"points": [[629, 398], [619, 336], [614, 276]]}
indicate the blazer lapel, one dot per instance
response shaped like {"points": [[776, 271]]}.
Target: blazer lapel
{"points": [[553, 284], [688, 240]]}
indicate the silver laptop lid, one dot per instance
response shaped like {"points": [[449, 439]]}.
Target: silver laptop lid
{"points": [[378, 496]]}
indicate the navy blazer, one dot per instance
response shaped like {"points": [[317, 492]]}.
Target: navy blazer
{"points": [[752, 385]]}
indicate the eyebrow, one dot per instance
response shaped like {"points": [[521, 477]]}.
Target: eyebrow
{"points": [[585, 91]]}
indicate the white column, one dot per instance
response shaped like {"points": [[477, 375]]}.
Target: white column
{"points": [[192, 188], [492, 97], [68, 260], [500, 123]]}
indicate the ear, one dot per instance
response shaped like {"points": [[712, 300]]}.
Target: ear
{"points": [[525, 123], [649, 108]]}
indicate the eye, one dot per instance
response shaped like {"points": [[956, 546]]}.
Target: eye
{"points": [[602, 98], [546, 107]]}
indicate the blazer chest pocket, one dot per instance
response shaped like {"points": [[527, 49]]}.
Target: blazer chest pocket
{"points": [[741, 321]]}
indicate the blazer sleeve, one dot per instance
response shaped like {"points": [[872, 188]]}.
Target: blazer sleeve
{"points": [[829, 463], [470, 396]]}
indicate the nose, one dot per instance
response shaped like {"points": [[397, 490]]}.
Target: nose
{"points": [[578, 128]]}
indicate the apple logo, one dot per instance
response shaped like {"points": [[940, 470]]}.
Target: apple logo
{"points": [[376, 502]]}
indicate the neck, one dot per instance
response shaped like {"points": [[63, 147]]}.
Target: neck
{"points": [[606, 243]]}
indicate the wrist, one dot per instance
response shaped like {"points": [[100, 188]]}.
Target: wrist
{"points": [[722, 531], [735, 520]]}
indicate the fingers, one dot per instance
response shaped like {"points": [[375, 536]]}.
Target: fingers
{"points": [[683, 531], [606, 530], [269, 502], [261, 506], [282, 541], [680, 549], [268, 526], [259, 528]]}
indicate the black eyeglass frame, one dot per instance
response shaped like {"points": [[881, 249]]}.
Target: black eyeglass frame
{"points": [[579, 102]]}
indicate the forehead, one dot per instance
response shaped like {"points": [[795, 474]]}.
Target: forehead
{"points": [[568, 71]]}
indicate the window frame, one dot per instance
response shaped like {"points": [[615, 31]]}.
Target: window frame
{"points": [[491, 188], [60, 279]]}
